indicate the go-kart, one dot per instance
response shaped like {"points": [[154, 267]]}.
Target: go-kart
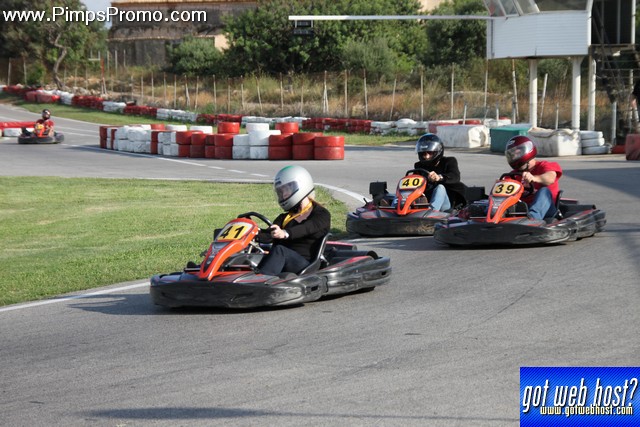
{"points": [[228, 276], [502, 219], [407, 213], [38, 136]]}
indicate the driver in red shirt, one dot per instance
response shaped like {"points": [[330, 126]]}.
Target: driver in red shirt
{"points": [[543, 175], [46, 122], [43, 127]]}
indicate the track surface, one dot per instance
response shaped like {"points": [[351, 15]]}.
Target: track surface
{"points": [[441, 345]]}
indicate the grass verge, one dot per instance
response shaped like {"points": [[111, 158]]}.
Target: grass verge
{"points": [[60, 235]]}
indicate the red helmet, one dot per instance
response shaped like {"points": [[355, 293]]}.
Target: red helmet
{"points": [[519, 151]]}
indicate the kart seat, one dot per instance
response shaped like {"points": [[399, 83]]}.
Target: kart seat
{"points": [[559, 214], [318, 259]]}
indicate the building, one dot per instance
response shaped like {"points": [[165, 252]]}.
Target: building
{"points": [[142, 29]]}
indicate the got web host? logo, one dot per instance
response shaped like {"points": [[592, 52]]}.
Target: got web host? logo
{"points": [[579, 396]]}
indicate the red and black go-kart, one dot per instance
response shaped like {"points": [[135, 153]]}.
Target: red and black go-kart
{"points": [[407, 213], [502, 220], [38, 136], [227, 276]]}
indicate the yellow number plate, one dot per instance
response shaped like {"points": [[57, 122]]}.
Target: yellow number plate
{"points": [[234, 231], [411, 183], [505, 189]]}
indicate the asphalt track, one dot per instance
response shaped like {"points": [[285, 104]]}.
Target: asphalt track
{"points": [[441, 345]]}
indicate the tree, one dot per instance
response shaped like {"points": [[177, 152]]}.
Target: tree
{"points": [[456, 41], [52, 42], [376, 57], [262, 39], [195, 56]]}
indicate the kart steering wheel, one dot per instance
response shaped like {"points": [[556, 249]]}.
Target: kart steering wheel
{"points": [[528, 189], [425, 174], [256, 215], [419, 171]]}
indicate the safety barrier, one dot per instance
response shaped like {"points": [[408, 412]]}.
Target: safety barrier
{"points": [[197, 141], [632, 147]]}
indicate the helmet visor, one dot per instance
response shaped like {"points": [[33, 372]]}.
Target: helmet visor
{"points": [[428, 147], [286, 190], [517, 152]]}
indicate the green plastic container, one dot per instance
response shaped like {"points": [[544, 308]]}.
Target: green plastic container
{"points": [[500, 136]]}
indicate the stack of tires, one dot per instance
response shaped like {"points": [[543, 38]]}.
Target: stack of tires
{"points": [[592, 142], [12, 129], [285, 142]]}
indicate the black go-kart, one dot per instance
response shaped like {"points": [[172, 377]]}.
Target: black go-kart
{"points": [[38, 136], [405, 213], [228, 277], [502, 220]]}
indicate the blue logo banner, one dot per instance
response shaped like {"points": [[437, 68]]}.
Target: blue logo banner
{"points": [[579, 396]]}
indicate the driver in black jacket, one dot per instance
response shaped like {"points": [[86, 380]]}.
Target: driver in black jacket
{"points": [[446, 191], [297, 233]]}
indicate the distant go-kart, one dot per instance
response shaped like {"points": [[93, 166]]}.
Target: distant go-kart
{"points": [[38, 136], [405, 213], [228, 277], [502, 220]]}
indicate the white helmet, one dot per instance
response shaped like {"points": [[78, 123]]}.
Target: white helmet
{"points": [[292, 184]]}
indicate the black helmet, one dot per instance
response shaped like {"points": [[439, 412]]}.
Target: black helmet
{"points": [[46, 114], [430, 143]]}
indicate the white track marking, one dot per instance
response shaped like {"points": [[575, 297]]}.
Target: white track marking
{"points": [[73, 297]]}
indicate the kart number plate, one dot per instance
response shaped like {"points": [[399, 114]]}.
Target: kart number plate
{"points": [[505, 189], [411, 182], [233, 232]]}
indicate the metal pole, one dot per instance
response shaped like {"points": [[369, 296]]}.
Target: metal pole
{"points": [[575, 94], [533, 91], [614, 122], [544, 96], [452, 85]]}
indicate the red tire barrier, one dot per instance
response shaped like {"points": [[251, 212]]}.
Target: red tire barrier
{"points": [[280, 152], [157, 126], [305, 138], [329, 153], [8, 125], [288, 127], [329, 141], [209, 151], [223, 152], [198, 139], [210, 140], [284, 140], [632, 147], [183, 137], [229, 127], [154, 135], [103, 131], [184, 150], [470, 122], [197, 151], [113, 137], [302, 152], [223, 140], [153, 147]]}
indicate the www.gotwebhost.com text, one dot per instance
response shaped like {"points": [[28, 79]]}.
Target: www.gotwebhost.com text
{"points": [[59, 13]]}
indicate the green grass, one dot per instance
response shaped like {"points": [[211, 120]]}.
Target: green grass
{"points": [[60, 235]]}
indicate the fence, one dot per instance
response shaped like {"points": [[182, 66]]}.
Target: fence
{"points": [[344, 94]]}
